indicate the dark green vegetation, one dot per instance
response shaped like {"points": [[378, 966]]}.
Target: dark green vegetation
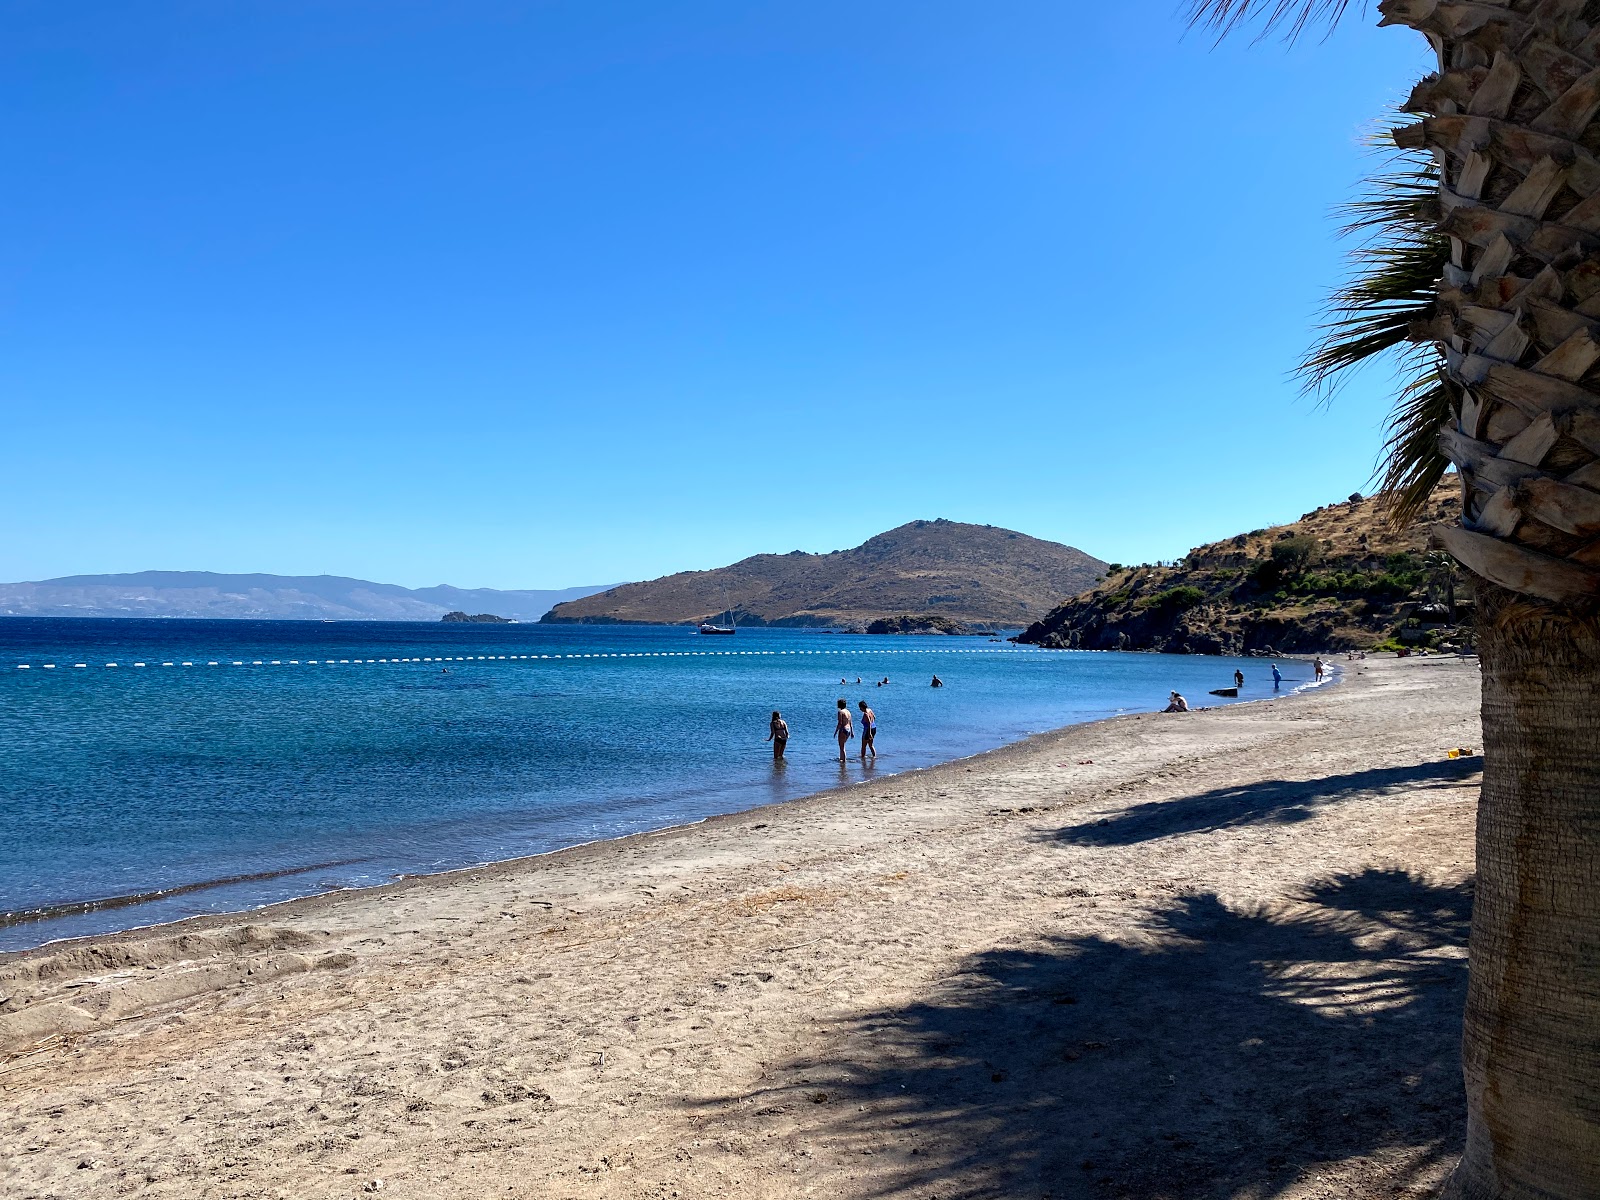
{"points": [[1340, 578], [977, 574], [458, 618]]}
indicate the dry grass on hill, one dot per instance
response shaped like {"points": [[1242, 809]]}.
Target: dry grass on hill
{"points": [[1338, 578]]}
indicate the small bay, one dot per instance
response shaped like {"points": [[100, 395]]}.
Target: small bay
{"points": [[276, 759]]}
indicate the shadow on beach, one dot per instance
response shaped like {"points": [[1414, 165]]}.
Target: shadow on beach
{"points": [[1272, 801], [1215, 1052]]}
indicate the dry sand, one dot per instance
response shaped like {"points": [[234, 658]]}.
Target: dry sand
{"points": [[1226, 958]]}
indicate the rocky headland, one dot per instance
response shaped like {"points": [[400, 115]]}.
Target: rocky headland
{"points": [[1340, 578]]}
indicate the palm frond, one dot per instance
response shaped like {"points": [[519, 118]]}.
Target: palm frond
{"points": [[1395, 278], [1293, 16], [1411, 464], [1396, 286], [1378, 312], [1401, 201]]}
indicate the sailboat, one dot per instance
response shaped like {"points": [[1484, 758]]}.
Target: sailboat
{"points": [[731, 627], [709, 628]]}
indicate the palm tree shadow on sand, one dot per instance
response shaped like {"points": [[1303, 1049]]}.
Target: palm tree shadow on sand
{"points": [[1272, 801], [1214, 1052]]}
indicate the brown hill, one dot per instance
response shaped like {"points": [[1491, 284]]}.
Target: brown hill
{"points": [[970, 573], [1340, 578]]}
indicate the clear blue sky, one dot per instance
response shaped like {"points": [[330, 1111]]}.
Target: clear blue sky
{"points": [[523, 294]]}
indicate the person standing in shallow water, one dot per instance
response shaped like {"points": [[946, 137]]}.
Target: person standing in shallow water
{"points": [[777, 734], [1276, 677], [1320, 670], [1238, 678], [843, 730], [869, 732]]}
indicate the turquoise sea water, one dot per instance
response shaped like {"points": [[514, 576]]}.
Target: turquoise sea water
{"points": [[274, 759]]}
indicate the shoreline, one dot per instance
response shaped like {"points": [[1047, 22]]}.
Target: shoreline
{"points": [[201, 921], [1146, 948]]}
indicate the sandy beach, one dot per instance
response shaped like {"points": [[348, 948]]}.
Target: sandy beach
{"points": [[1209, 954]]}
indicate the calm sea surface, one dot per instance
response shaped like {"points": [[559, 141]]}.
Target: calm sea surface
{"points": [[272, 759]]}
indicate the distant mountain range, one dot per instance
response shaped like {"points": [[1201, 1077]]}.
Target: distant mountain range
{"points": [[979, 574], [266, 597]]}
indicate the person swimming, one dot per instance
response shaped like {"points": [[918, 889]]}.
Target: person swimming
{"points": [[869, 731], [843, 730], [777, 734], [937, 682]]}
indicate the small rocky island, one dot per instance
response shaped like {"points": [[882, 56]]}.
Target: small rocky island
{"points": [[479, 619], [919, 623]]}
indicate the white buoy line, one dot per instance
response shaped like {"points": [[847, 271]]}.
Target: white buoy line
{"points": [[358, 662]]}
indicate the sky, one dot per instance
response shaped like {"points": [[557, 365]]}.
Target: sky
{"points": [[538, 294]]}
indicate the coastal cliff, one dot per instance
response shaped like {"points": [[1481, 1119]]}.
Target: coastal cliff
{"points": [[1340, 578], [965, 574]]}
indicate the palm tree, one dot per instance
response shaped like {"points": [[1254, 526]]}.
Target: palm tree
{"points": [[1490, 286]]}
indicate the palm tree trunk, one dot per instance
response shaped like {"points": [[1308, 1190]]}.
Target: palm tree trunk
{"points": [[1531, 1050], [1510, 118]]}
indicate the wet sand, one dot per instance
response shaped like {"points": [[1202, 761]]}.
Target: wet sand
{"points": [[1209, 954]]}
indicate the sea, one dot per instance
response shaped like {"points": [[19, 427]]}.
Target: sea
{"points": [[157, 769]]}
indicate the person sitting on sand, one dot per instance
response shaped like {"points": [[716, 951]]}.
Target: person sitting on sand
{"points": [[1238, 678], [937, 682], [842, 728], [869, 731], [1177, 704], [777, 734]]}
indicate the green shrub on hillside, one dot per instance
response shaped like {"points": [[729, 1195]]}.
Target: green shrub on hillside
{"points": [[1175, 599], [1295, 553]]}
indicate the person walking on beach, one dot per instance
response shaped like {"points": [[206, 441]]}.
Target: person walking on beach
{"points": [[842, 728], [1317, 666], [869, 732], [777, 734], [1276, 677], [1238, 678]]}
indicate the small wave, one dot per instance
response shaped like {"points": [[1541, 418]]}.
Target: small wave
{"points": [[79, 907]]}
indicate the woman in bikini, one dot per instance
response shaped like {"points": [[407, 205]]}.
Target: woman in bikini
{"points": [[778, 734], [843, 729]]}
